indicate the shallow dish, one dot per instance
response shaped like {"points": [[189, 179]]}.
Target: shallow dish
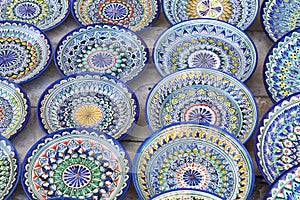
{"points": [[196, 156], [203, 95], [133, 14], [186, 194], [102, 48], [76, 163], [93, 101], [205, 43]]}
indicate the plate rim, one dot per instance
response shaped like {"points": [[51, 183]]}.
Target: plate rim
{"points": [[262, 13]]}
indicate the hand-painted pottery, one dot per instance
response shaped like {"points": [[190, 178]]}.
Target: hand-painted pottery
{"points": [[133, 14], [76, 163], [102, 48], [281, 68], [205, 43], [195, 156], [14, 108], [186, 194], [203, 95], [285, 186], [278, 138], [44, 14], [240, 13], [280, 17], [93, 101], [25, 51]]}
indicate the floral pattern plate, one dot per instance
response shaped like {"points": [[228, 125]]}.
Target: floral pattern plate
{"points": [[205, 43], [44, 14], [281, 68], [102, 48], [203, 95], [195, 156], [76, 163], [278, 138], [136, 15], [185, 194], [93, 101], [240, 13], [280, 17], [25, 51], [14, 108]]}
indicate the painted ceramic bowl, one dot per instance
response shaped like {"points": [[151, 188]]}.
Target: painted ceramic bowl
{"points": [[14, 108], [25, 51], [76, 163], [93, 101], [195, 156], [44, 14], [133, 14], [278, 138], [240, 13], [279, 17], [186, 194], [281, 68], [205, 43], [203, 95], [102, 48]]}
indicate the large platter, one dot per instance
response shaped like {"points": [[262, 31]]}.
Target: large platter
{"points": [[196, 156], [205, 43], [76, 163], [25, 51], [240, 13], [136, 15], [281, 68], [185, 194], [203, 95], [278, 138], [93, 101], [102, 48]]}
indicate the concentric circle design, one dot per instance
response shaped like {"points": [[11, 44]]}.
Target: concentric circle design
{"points": [[87, 100], [186, 194], [196, 156], [44, 14], [76, 163], [203, 95], [205, 43], [102, 48], [133, 14]]}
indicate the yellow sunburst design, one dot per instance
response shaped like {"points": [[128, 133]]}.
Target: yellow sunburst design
{"points": [[88, 115]]}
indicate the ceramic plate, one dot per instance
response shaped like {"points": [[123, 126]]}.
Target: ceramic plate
{"points": [[281, 68], [102, 48], [205, 43], [195, 156], [14, 108], [133, 14], [280, 17], [278, 138], [203, 95], [44, 14], [25, 51], [78, 163], [240, 13], [185, 194], [93, 101], [286, 186]]}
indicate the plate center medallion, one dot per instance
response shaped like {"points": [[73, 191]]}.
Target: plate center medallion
{"points": [[209, 9], [27, 10], [88, 115], [77, 176], [200, 113], [204, 58]]}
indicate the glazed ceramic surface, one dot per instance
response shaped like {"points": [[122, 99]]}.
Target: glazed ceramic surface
{"points": [[44, 14], [240, 13], [133, 14], [280, 17], [102, 48], [281, 68], [93, 101], [205, 43], [186, 194], [74, 163], [193, 156], [25, 51], [14, 108], [278, 138], [203, 95]]}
